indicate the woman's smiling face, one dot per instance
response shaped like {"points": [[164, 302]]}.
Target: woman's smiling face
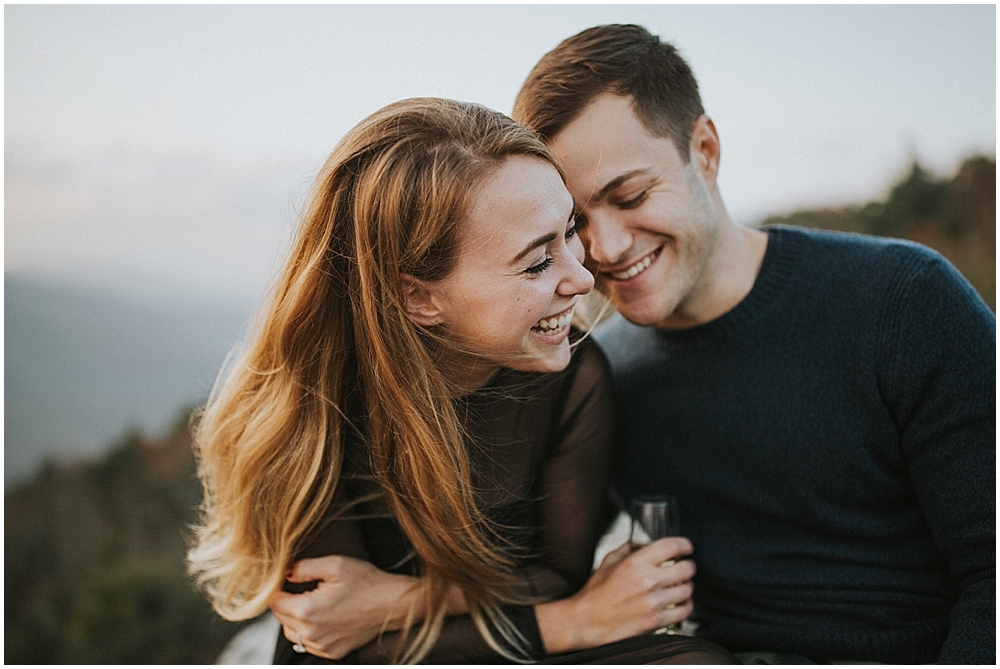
{"points": [[509, 300]]}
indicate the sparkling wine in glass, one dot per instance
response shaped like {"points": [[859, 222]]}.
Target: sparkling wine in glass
{"points": [[655, 517]]}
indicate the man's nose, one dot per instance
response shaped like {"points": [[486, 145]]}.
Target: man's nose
{"points": [[606, 239]]}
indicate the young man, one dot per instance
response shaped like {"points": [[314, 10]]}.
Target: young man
{"points": [[822, 405]]}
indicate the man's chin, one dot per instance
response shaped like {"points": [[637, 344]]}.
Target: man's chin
{"points": [[633, 303], [639, 314]]}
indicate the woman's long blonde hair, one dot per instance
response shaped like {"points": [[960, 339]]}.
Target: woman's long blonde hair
{"points": [[390, 200]]}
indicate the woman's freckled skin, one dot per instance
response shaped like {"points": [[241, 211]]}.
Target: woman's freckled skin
{"points": [[491, 300]]}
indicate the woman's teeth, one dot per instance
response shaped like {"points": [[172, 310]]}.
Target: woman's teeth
{"points": [[636, 268], [550, 325]]}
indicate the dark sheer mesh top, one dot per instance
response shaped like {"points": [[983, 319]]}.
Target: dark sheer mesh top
{"points": [[540, 448]]}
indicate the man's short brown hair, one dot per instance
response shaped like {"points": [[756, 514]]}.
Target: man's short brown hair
{"points": [[618, 59]]}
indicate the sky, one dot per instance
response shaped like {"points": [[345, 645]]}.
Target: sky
{"points": [[171, 148]]}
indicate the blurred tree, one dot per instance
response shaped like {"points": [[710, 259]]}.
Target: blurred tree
{"points": [[141, 612], [94, 567], [955, 217]]}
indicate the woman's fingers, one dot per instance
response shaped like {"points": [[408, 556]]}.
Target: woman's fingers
{"points": [[675, 614], [351, 603], [661, 562], [674, 600], [326, 568], [669, 548], [662, 578], [290, 633], [617, 555], [285, 606], [677, 572], [313, 640]]}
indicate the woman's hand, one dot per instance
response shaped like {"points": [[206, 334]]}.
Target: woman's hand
{"points": [[629, 594], [353, 602]]}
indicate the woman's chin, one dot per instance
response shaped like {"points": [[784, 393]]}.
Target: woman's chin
{"points": [[547, 357]]}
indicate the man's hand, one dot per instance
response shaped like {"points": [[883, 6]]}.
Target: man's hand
{"points": [[629, 594], [353, 602]]}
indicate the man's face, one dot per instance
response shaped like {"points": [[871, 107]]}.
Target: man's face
{"points": [[650, 222]]}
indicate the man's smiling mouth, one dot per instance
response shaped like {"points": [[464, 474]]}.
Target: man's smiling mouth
{"points": [[636, 269]]}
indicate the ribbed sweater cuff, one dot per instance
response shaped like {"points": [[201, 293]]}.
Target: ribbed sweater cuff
{"points": [[915, 645]]}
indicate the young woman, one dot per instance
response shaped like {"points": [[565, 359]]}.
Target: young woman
{"points": [[409, 404]]}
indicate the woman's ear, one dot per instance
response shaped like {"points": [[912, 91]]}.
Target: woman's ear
{"points": [[421, 305]]}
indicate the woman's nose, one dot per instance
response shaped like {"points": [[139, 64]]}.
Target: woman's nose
{"points": [[577, 280]]}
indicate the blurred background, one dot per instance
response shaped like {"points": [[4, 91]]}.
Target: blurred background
{"points": [[156, 159]]}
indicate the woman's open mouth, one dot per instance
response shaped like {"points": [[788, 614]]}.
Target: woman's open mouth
{"points": [[554, 324]]}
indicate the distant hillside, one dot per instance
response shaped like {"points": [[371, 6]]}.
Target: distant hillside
{"points": [[956, 217], [94, 567], [82, 366]]}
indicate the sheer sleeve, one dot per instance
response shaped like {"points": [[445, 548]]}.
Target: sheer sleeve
{"points": [[337, 534], [563, 423], [575, 508]]}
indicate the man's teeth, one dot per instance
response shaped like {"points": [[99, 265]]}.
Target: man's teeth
{"points": [[553, 324], [636, 268]]}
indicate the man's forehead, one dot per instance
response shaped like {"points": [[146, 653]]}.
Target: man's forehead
{"points": [[606, 110], [599, 157], [606, 126]]}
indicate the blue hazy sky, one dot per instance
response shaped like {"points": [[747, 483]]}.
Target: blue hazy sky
{"points": [[172, 146]]}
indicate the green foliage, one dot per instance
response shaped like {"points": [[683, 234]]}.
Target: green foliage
{"points": [[956, 217], [141, 612], [94, 562], [918, 197]]}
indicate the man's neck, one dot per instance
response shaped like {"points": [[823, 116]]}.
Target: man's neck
{"points": [[728, 277]]}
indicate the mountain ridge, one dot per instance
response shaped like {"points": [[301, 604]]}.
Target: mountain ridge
{"points": [[84, 365]]}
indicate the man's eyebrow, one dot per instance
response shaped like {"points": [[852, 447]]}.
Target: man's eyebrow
{"points": [[616, 182], [542, 241]]}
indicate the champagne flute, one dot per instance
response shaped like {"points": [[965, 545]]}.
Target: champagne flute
{"points": [[655, 517]]}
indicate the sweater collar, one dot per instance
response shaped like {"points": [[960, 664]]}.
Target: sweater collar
{"points": [[785, 248]]}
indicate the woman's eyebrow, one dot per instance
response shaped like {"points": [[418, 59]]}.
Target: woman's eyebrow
{"points": [[544, 239], [534, 244]]}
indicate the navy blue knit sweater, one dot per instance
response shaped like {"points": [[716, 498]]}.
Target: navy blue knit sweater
{"points": [[832, 444]]}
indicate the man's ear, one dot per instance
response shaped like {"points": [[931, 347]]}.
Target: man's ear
{"points": [[421, 305], [706, 149]]}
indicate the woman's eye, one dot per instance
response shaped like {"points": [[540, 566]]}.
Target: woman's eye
{"points": [[634, 202], [578, 223], [540, 267]]}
